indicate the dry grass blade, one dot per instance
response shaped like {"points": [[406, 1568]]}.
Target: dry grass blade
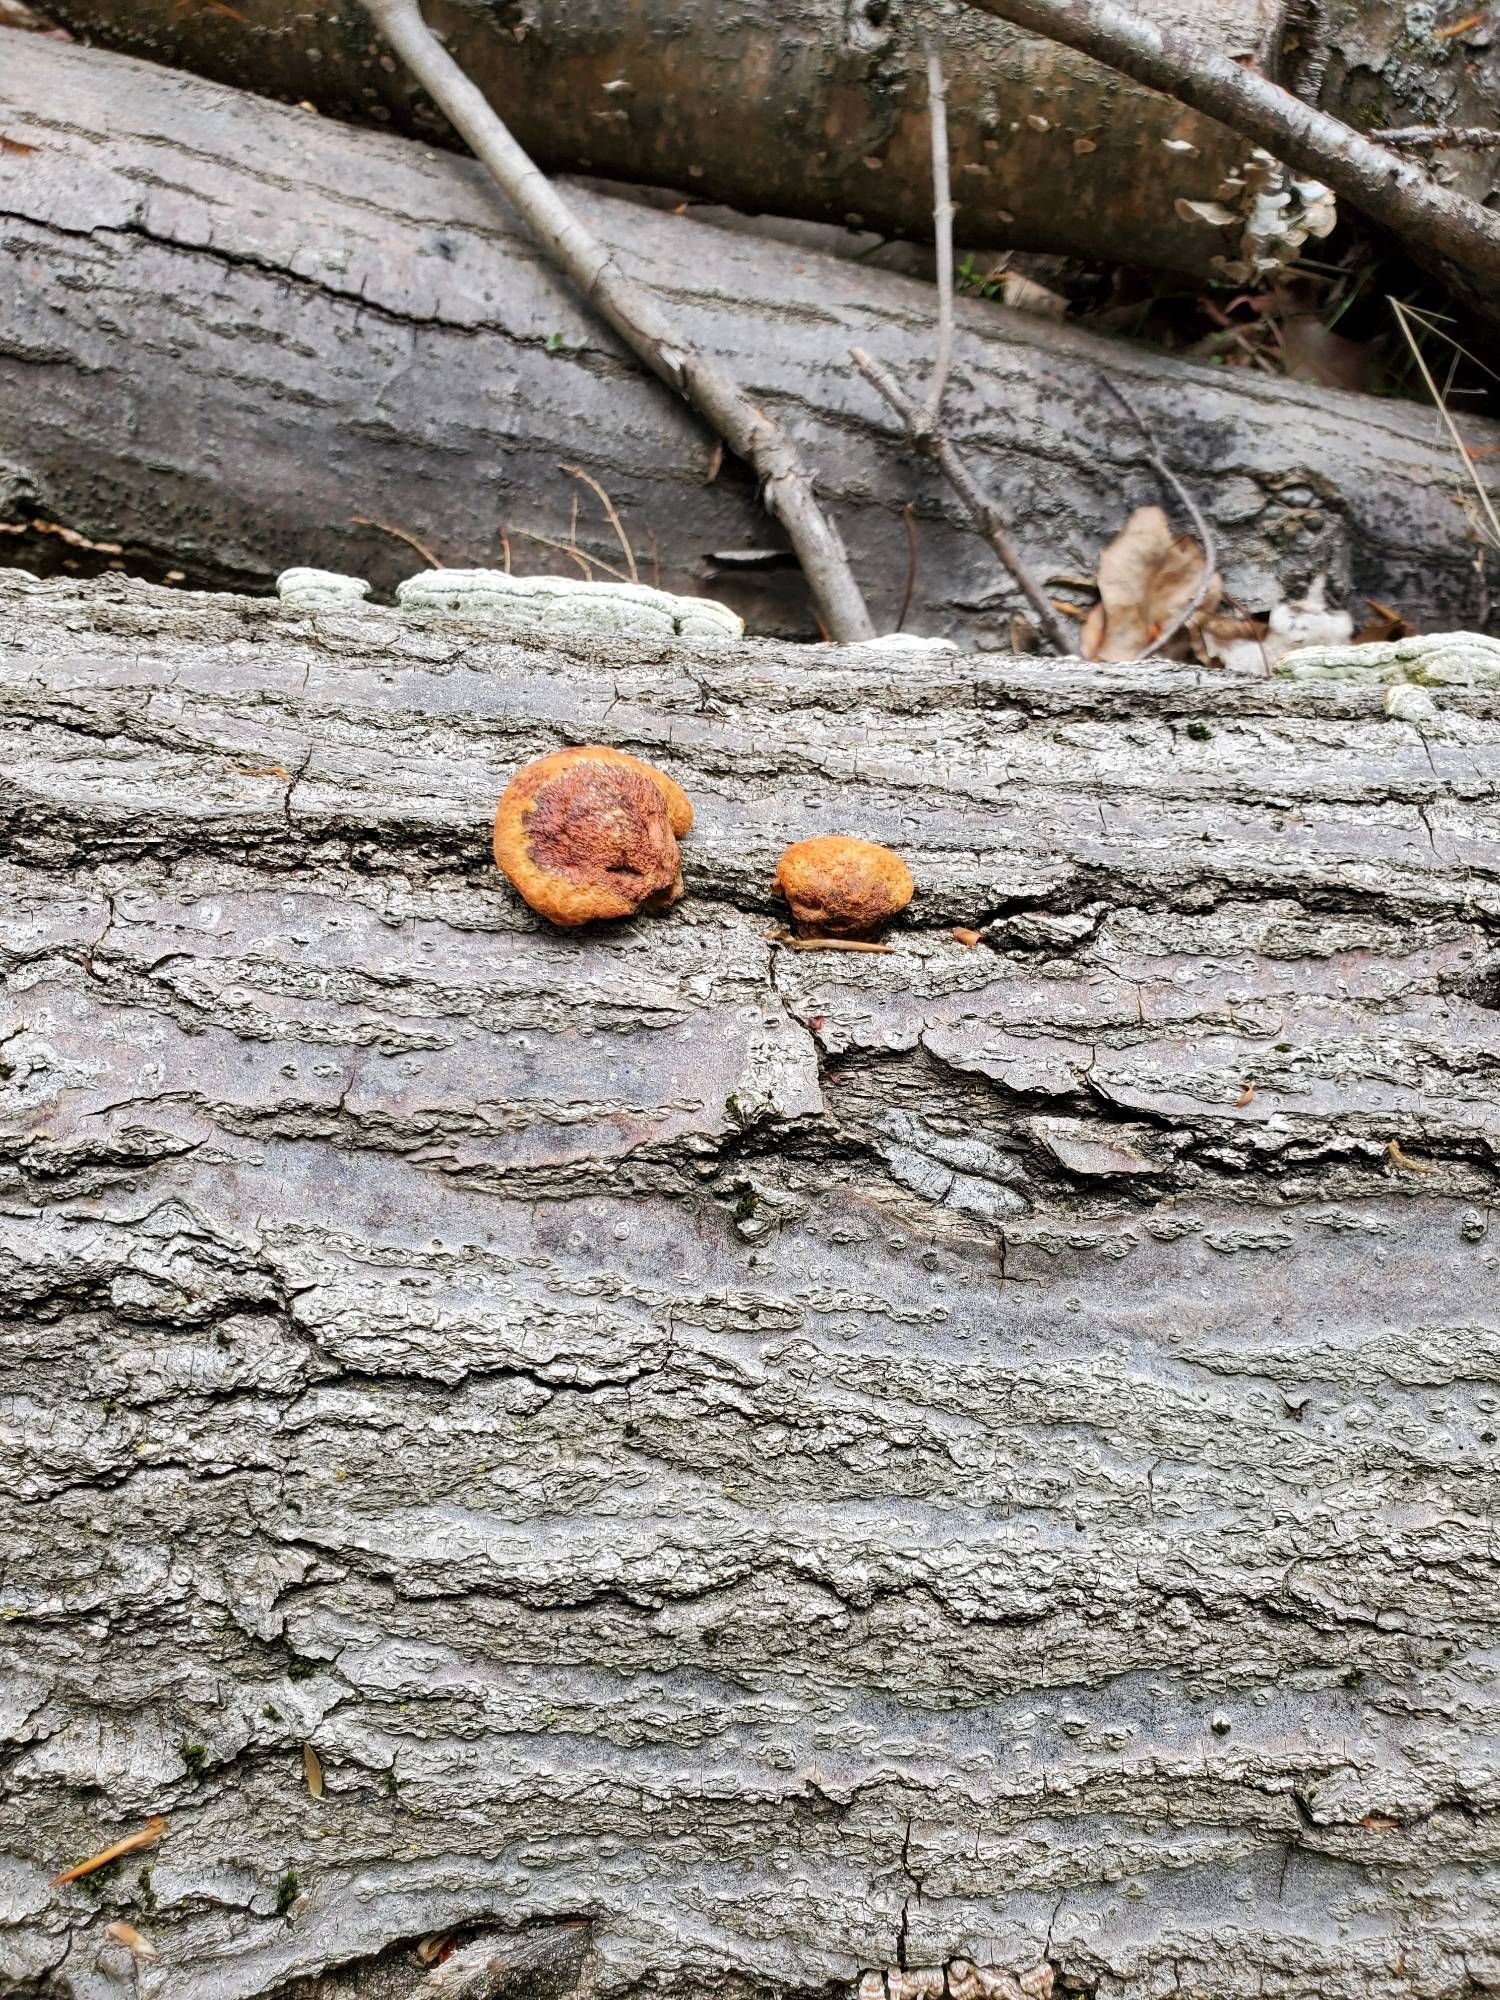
{"points": [[146, 1836], [312, 1770], [400, 534], [1489, 527], [577, 472], [587, 564]]}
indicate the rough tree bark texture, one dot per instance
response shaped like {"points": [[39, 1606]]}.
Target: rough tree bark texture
{"points": [[1377, 63], [802, 107], [793, 1463], [236, 327]]}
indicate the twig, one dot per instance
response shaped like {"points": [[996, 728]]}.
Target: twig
{"points": [[637, 316], [364, 521], [1486, 503], [1438, 138], [829, 944], [908, 515], [1458, 237], [942, 223], [923, 421], [986, 516], [1205, 533], [577, 472]]}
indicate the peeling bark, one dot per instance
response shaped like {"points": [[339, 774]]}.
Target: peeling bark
{"points": [[747, 1467], [238, 330]]}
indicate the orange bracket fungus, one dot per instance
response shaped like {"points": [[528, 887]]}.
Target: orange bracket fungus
{"points": [[590, 833], [839, 887]]}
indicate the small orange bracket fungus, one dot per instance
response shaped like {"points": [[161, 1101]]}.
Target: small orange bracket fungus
{"points": [[839, 887], [590, 833]]}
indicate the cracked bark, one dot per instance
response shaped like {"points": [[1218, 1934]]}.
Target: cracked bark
{"points": [[389, 345], [782, 1464]]}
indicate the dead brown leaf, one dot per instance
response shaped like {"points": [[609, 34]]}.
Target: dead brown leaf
{"points": [[14, 146], [1379, 1823], [146, 1836], [1147, 578], [1313, 353], [968, 938], [313, 1770], [1246, 1096]]}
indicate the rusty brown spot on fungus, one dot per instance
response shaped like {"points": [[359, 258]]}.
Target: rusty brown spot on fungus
{"points": [[591, 833], [840, 887]]}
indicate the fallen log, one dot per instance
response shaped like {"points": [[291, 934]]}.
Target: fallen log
{"points": [[239, 334], [819, 111], [747, 1468]]}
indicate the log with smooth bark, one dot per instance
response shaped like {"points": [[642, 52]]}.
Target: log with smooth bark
{"points": [[237, 328], [746, 1467], [812, 108]]}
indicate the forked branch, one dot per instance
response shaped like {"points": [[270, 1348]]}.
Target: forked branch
{"points": [[636, 315]]}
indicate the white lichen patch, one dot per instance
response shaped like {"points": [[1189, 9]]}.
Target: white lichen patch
{"points": [[320, 590], [1446, 659], [555, 606]]}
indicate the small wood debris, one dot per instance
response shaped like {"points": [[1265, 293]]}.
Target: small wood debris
{"points": [[1246, 1096], [1405, 1162], [146, 1836], [127, 1935], [968, 938], [830, 944]]}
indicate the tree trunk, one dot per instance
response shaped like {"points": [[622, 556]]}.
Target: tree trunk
{"points": [[814, 108], [240, 330], [746, 1467], [1378, 63]]}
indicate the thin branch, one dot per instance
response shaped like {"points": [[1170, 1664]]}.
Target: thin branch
{"points": [[986, 516], [1194, 513], [1438, 138], [577, 472], [1448, 232], [942, 223], [637, 316], [908, 515], [432, 561]]}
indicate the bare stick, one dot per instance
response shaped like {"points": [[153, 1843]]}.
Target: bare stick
{"points": [[987, 518], [1445, 231], [1438, 138], [577, 472], [942, 223], [1194, 513], [635, 314]]}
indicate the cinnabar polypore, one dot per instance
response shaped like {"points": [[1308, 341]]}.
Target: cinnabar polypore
{"points": [[841, 887], [591, 833]]}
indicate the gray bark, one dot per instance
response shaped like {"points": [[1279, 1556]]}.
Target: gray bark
{"points": [[238, 327], [814, 108], [1378, 63], [787, 1464]]}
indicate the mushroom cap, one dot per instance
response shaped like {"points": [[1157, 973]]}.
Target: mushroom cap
{"points": [[590, 833], [842, 887]]}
